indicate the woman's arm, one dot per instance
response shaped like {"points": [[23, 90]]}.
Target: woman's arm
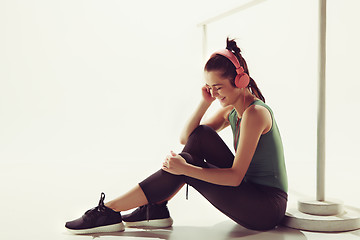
{"points": [[217, 122], [220, 119], [194, 121], [255, 121]]}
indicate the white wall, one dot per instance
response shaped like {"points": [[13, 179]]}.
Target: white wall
{"points": [[91, 80], [109, 81]]}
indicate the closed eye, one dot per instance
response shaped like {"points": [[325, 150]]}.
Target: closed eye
{"points": [[214, 87]]}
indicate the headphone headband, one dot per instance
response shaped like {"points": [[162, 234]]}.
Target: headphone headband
{"points": [[229, 55], [242, 80]]}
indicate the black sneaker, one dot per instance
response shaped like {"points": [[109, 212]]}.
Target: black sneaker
{"points": [[149, 216], [96, 220]]}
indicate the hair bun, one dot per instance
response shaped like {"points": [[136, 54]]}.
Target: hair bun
{"points": [[232, 46]]}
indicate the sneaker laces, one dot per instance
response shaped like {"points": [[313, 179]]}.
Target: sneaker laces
{"points": [[96, 211], [147, 212]]}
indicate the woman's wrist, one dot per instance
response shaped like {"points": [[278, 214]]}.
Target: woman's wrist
{"points": [[187, 169]]}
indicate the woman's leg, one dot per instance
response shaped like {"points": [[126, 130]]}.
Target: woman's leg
{"points": [[203, 143], [132, 199], [250, 205], [253, 206]]}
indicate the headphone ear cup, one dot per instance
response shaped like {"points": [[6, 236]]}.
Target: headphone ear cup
{"points": [[242, 81]]}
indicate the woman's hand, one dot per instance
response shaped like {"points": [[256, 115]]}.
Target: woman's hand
{"points": [[207, 94], [174, 164]]}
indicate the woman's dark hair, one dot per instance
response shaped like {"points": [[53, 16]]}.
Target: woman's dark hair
{"points": [[224, 65]]}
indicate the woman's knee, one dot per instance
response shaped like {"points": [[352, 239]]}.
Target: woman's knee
{"points": [[202, 130], [193, 160]]}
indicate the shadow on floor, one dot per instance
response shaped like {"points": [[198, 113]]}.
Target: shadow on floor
{"points": [[221, 231]]}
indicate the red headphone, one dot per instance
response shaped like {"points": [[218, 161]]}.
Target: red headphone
{"points": [[242, 79]]}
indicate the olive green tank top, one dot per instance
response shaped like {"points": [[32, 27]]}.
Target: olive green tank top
{"points": [[267, 166]]}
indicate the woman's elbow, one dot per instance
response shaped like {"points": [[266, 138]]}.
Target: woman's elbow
{"points": [[236, 181], [183, 140], [233, 184]]}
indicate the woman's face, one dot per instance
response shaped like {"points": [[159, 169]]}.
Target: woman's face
{"points": [[221, 88]]}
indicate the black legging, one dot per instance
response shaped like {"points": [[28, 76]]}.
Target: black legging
{"points": [[251, 205]]}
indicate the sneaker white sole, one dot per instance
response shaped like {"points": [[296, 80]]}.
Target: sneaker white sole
{"points": [[157, 223], [118, 227]]}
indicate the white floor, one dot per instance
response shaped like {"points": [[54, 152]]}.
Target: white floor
{"points": [[37, 199]]}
